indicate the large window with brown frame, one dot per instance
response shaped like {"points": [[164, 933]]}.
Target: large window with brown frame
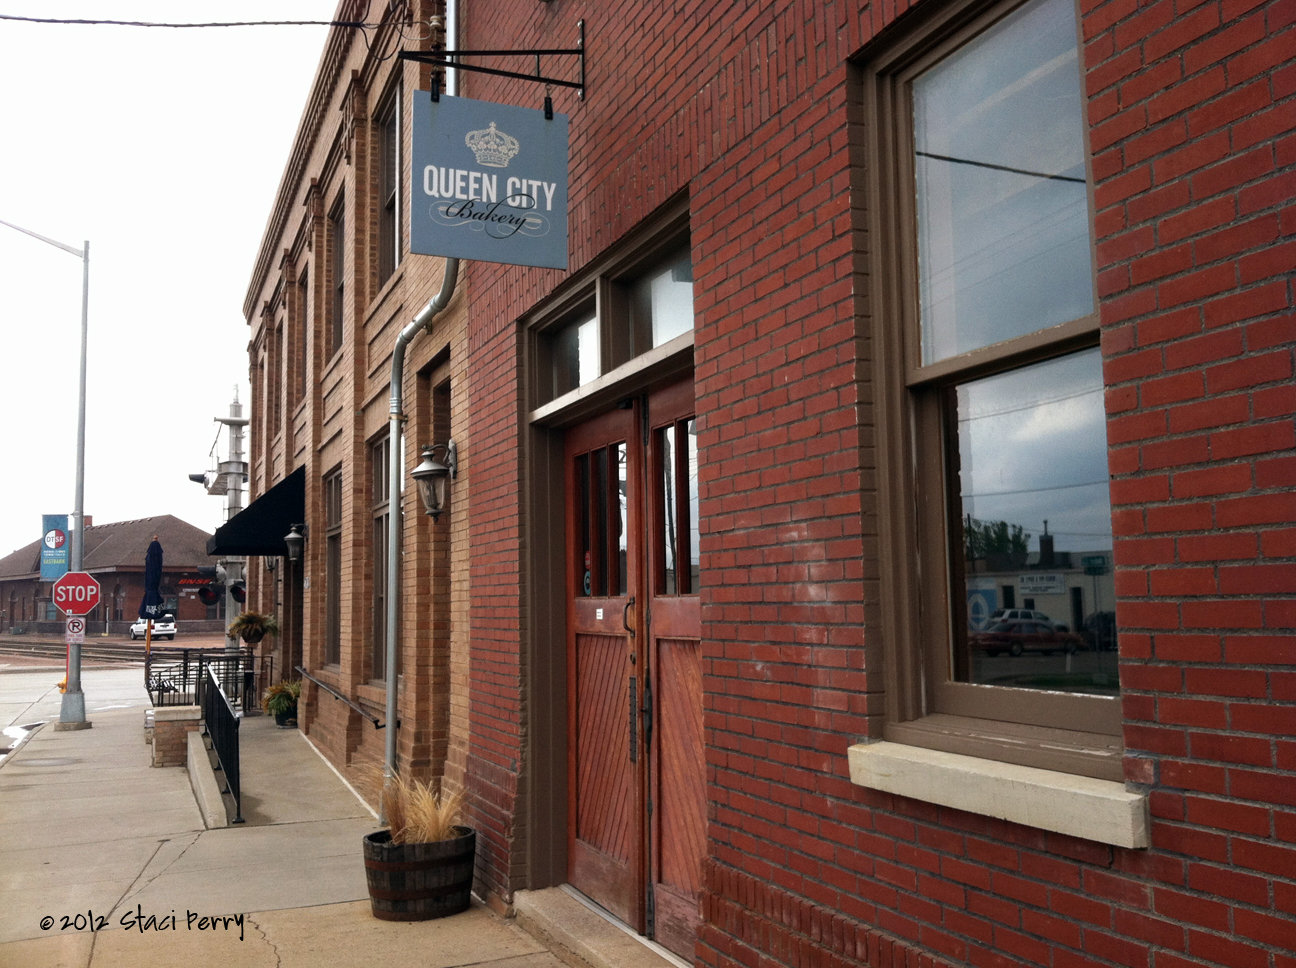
{"points": [[997, 594]]}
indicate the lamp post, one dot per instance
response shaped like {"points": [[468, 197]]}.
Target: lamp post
{"points": [[73, 709]]}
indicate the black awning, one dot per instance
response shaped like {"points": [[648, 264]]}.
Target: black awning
{"points": [[259, 529]]}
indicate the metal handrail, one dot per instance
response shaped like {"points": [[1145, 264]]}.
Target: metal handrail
{"points": [[175, 675], [222, 724], [337, 695]]}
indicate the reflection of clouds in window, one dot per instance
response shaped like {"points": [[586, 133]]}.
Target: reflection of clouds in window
{"points": [[1002, 252], [1033, 447], [1024, 68], [665, 297], [1049, 420], [576, 355]]}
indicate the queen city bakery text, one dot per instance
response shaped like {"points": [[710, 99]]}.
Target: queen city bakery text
{"points": [[458, 183]]}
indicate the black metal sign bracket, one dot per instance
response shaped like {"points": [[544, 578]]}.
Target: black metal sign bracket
{"points": [[450, 59]]}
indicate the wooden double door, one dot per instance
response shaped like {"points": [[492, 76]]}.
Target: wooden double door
{"points": [[636, 768]]}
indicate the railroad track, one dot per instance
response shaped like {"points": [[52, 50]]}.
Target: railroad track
{"points": [[90, 652]]}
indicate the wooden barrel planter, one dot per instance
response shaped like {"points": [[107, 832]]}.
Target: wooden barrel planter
{"points": [[418, 882]]}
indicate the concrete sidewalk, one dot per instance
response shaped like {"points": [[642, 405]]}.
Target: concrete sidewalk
{"points": [[90, 831]]}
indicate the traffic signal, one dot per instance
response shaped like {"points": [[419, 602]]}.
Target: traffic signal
{"points": [[210, 594], [238, 590]]}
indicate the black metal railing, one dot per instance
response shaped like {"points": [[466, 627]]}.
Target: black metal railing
{"points": [[337, 695], [222, 725], [172, 677]]}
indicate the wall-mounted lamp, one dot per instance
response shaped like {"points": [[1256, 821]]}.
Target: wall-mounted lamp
{"points": [[294, 540], [432, 475]]}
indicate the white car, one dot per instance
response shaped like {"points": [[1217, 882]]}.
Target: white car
{"points": [[1026, 614], [163, 628]]}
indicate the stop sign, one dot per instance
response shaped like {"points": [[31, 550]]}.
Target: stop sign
{"points": [[76, 593]]}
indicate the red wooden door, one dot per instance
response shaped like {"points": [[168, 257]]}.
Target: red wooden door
{"points": [[637, 799], [677, 769], [605, 778]]}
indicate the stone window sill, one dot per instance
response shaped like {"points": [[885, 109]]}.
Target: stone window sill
{"points": [[1079, 806]]}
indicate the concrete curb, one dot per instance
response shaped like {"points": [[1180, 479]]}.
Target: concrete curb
{"points": [[202, 778], [22, 741]]}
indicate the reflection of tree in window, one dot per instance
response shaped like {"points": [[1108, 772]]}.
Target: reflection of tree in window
{"points": [[984, 538]]}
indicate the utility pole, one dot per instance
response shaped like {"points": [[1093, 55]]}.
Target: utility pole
{"points": [[233, 471], [72, 712]]}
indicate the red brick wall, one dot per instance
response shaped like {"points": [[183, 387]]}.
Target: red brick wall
{"points": [[1192, 112]]}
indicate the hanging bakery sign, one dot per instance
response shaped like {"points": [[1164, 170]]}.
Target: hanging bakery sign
{"points": [[489, 182]]}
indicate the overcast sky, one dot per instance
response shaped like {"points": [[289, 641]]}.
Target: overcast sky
{"points": [[163, 148]]}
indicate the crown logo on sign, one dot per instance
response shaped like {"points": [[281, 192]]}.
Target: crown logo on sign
{"points": [[492, 148]]}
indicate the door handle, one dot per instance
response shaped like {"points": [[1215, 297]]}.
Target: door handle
{"points": [[625, 616]]}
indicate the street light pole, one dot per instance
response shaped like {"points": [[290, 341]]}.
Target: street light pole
{"points": [[72, 714]]}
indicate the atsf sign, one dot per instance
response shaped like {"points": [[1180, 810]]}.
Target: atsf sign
{"points": [[54, 546], [76, 593]]}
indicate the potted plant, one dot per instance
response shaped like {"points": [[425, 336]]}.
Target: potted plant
{"points": [[421, 866], [252, 627], [280, 701]]}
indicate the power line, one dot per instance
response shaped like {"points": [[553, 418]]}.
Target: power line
{"points": [[1048, 401], [986, 164], [235, 23], [1036, 490]]}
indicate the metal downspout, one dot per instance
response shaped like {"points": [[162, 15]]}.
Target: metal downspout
{"points": [[395, 476]]}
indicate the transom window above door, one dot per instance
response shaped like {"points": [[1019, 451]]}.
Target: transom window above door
{"points": [[626, 316]]}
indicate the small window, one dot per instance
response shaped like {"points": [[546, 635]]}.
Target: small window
{"points": [[279, 387], [661, 303], [389, 171], [576, 359], [337, 246], [333, 568], [380, 478], [303, 334], [675, 471], [603, 528]]}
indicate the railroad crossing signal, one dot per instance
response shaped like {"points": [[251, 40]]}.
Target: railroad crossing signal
{"points": [[76, 593]]}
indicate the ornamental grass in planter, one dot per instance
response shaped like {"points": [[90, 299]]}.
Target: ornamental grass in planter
{"points": [[280, 701], [421, 866], [252, 627]]}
